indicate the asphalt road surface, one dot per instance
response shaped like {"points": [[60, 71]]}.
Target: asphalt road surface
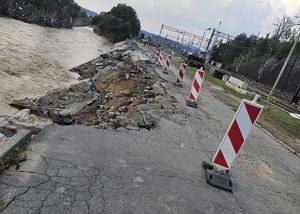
{"points": [[77, 169]]}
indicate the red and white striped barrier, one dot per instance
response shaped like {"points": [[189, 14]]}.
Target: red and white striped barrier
{"points": [[235, 137], [161, 57], [196, 87], [157, 55], [180, 76], [153, 52], [167, 65]]}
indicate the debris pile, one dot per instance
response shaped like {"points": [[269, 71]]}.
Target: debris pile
{"points": [[119, 89], [9, 125]]}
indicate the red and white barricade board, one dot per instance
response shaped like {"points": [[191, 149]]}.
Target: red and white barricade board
{"points": [[235, 137], [157, 55], [181, 74], [153, 52], [197, 84], [161, 57], [167, 65]]}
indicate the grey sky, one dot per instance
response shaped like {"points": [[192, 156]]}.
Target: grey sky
{"points": [[249, 16]]}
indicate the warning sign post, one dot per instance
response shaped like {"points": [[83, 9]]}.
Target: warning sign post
{"points": [[167, 65], [179, 79], [195, 90], [218, 174]]}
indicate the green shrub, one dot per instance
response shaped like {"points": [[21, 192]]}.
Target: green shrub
{"points": [[119, 24]]}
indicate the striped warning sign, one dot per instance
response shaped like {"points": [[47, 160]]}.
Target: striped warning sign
{"points": [[181, 73], [161, 56], [197, 84], [167, 66], [235, 137], [157, 53], [153, 53]]}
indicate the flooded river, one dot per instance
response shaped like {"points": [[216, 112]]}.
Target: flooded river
{"points": [[35, 59]]}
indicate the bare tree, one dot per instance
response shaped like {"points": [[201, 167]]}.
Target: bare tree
{"points": [[283, 28]]}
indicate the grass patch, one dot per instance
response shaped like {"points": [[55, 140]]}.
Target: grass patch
{"points": [[291, 124], [166, 51], [237, 94], [2, 204], [176, 61], [208, 77], [15, 159], [276, 116], [214, 80]]}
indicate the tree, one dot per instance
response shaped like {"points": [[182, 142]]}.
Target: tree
{"points": [[3, 7], [283, 49], [119, 24], [54, 13], [283, 28], [142, 36], [217, 53], [227, 53], [261, 46], [99, 18]]}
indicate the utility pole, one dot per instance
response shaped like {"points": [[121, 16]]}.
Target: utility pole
{"points": [[177, 41], [283, 67], [296, 96], [191, 43], [262, 68], [203, 38], [182, 39], [220, 22], [243, 56], [178, 37], [239, 65], [209, 42], [161, 29], [160, 32], [218, 32], [290, 72]]}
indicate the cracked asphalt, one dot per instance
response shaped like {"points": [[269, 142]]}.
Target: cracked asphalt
{"points": [[78, 169]]}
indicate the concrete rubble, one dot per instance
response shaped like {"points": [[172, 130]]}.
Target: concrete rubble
{"points": [[17, 129], [10, 124], [118, 89], [3, 137]]}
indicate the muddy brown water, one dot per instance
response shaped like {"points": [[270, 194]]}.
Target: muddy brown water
{"points": [[35, 59]]}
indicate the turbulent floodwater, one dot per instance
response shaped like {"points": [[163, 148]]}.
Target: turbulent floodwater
{"points": [[35, 59]]}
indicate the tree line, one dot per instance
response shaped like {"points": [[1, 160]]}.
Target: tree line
{"points": [[245, 48], [56, 13]]}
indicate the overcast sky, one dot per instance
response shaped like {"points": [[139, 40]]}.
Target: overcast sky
{"points": [[249, 16]]}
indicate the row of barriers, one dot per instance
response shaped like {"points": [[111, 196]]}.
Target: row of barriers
{"points": [[218, 171]]}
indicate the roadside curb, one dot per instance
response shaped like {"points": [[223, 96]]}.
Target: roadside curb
{"points": [[17, 140], [279, 141]]}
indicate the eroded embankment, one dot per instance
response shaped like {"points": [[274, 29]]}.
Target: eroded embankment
{"points": [[118, 89]]}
